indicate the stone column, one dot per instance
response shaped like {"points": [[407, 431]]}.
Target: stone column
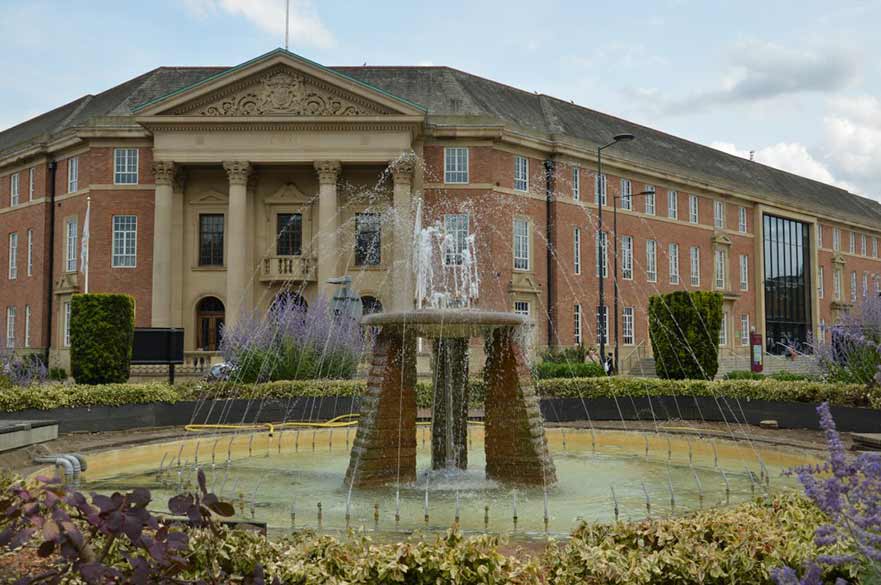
{"points": [[238, 288], [516, 447], [449, 413], [179, 259], [384, 450], [163, 172], [402, 274], [328, 225]]}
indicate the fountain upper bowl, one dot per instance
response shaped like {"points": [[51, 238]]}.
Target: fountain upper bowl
{"points": [[435, 323]]}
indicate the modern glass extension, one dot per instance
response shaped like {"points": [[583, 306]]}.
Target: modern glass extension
{"points": [[787, 288]]}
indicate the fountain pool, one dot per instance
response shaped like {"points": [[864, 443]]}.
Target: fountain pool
{"points": [[295, 471]]}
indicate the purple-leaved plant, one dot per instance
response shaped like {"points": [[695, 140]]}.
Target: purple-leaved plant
{"points": [[848, 490], [854, 352], [22, 369]]}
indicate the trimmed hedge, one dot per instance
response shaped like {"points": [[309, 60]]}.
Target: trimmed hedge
{"points": [[102, 327], [547, 370], [684, 329], [49, 396]]}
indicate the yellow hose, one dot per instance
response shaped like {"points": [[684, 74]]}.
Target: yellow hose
{"points": [[342, 421]]}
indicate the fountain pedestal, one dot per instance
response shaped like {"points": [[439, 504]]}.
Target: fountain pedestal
{"points": [[385, 444]]}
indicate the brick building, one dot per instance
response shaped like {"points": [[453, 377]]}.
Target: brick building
{"points": [[212, 189]]}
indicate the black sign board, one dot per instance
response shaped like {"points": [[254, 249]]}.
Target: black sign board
{"points": [[158, 346]]}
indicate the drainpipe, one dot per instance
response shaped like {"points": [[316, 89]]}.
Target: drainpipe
{"points": [[549, 235], [53, 167]]}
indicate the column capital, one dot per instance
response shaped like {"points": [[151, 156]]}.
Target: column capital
{"points": [[238, 171], [402, 169], [163, 172], [328, 171]]}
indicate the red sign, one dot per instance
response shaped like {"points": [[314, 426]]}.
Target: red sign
{"points": [[756, 351]]}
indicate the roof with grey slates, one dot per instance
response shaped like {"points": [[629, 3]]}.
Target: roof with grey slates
{"points": [[463, 97]]}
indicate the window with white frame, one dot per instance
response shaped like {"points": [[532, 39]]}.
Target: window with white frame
{"points": [[723, 331], [455, 165], [821, 287], [73, 174], [14, 190], [599, 188], [13, 256], [694, 260], [852, 243], [822, 339], [576, 325], [744, 272], [576, 251], [602, 254], [576, 184], [32, 182], [521, 244], [66, 324], [521, 173], [125, 241], [673, 257], [719, 214], [877, 280], [819, 236], [603, 324], [672, 204], [836, 239], [863, 245], [626, 195], [30, 252], [521, 308], [649, 200], [627, 257], [693, 209], [865, 284], [744, 329], [456, 227], [628, 329], [10, 327], [836, 284], [721, 262], [27, 325], [853, 286], [125, 166], [70, 249], [741, 220], [651, 261], [874, 247]]}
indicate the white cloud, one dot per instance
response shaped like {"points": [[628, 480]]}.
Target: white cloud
{"points": [[788, 156], [853, 134], [306, 28], [759, 71]]}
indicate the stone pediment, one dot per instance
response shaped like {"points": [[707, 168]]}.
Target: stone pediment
{"points": [[838, 258], [287, 193], [209, 198], [524, 282], [279, 85], [722, 239]]}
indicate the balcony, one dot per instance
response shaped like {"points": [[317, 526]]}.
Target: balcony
{"points": [[288, 268]]}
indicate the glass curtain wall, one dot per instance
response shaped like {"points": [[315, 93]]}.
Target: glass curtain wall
{"points": [[787, 285]]}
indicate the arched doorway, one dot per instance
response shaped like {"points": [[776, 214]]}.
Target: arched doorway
{"points": [[370, 305], [210, 316]]}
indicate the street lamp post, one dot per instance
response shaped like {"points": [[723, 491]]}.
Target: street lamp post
{"points": [[601, 252]]}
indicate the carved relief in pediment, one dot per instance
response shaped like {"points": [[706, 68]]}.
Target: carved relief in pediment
{"points": [[284, 92]]}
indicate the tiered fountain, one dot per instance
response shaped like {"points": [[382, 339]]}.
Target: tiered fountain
{"points": [[385, 445]]}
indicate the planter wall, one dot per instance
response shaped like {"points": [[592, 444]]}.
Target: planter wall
{"points": [[800, 415]]}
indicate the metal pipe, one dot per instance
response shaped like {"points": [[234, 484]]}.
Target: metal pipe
{"points": [[62, 462], [550, 179], [50, 264]]}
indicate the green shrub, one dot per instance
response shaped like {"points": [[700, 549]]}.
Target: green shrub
{"points": [[684, 330], [546, 370], [575, 354], [49, 396], [101, 332], [57, 374], [743, 375]]}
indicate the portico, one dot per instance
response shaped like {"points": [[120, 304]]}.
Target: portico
{"points": [[262, 177]]}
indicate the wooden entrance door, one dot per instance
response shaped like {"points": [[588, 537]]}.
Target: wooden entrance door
{"points": [[210, 316]]}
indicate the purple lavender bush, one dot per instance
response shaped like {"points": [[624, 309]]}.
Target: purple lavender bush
{"points": [[854, 354], [290, 342], [21, 370], [848, 490]]}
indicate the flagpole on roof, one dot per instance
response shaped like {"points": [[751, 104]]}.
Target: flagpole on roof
{"points": [[287, 15]]}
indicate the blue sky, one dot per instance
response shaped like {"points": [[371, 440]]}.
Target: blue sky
{"points": [[799, 82]]}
